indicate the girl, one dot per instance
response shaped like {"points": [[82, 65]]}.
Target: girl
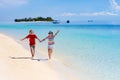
{"points": [[50, 38], [32, 42]]}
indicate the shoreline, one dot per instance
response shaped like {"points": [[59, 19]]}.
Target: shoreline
{"points": [[91, 56], [23, 67]]}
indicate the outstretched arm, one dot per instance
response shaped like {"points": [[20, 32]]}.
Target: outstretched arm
{"points": [[44, 39], [57, 32], [23, 39]]}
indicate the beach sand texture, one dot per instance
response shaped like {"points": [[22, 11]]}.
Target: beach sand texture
{"points": [[22, 68]]}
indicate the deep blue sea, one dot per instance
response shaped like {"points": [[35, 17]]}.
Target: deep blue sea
{"points": [[90, 50]]}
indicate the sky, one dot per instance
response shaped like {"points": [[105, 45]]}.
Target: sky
{"points": [[75, 10]]}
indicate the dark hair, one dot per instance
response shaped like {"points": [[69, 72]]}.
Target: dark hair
{"points": [[50, 32]]}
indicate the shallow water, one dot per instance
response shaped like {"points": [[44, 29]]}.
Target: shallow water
{"points": [[90, 50]]}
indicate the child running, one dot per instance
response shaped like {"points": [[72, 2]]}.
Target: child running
{"points": [[32, 42], [51, 43]]}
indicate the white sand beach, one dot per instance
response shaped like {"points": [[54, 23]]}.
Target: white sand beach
{"points": [[22, 68]]}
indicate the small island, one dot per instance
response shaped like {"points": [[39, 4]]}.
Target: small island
{"points": [[49, 19]]}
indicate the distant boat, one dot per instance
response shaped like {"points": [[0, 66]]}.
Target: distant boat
{"points": [[56, 22], [67, 21], [90, 20]]}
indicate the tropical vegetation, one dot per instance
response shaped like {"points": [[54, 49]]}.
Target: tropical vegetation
{"points": [[33, 19]]}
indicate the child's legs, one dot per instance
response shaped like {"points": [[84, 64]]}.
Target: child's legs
{"points": [[32, 49], [50, 50], [49, 53]]}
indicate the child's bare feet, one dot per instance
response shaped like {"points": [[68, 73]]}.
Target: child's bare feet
{"points": [[32, 58]]}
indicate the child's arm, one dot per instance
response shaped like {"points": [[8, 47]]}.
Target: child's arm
{"points": [[23, 39], [44, 39], [56, 33], [39, 39]]}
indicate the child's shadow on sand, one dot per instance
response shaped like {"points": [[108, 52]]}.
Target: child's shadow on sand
{"points": [[29, 58]]}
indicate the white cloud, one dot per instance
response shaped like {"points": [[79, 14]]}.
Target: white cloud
{"points": [[12, 3], [115, 6], [103, 13], [68, 14], [115, 9]]}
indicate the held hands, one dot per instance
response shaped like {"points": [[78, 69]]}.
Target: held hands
{"points": [[40, 41], [58, 30]]}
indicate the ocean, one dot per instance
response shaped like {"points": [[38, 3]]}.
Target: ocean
{"points": [[92, 51]]}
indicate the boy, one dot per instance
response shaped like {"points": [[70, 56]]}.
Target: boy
{"points": [[32, 41]]}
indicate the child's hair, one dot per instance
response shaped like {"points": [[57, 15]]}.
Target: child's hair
{"points": [[50, 32], [30, 31]]}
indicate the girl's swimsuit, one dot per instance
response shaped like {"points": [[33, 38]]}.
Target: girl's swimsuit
{"points": [[50, 42]]}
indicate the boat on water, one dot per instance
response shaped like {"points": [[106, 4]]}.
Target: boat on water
{"points": [[67, 21], [90, 20], [56, 22]]}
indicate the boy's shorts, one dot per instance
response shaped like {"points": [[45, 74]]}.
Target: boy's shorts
{"points": [[33, 46]]}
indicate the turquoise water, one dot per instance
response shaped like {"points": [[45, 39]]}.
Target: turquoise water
{"points": [[90, 50]]}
